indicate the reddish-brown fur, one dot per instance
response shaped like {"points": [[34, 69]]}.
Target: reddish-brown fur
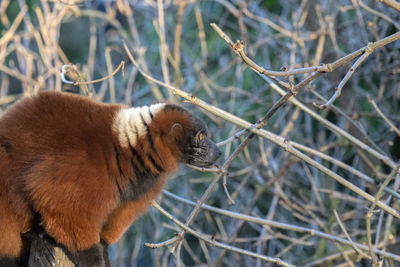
{"points": [[57, 157]]}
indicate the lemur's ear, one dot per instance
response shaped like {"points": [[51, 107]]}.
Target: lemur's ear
{"points": [[176, 131]]}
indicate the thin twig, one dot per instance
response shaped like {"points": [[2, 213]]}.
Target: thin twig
{"points": [[379, 14], [338, 89], [392, 126], [392, 3], [348, 236], [121, 65], [371, 210], [7, 36]]}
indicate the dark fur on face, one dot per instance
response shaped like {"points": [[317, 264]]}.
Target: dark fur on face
{"points": [[198, 148]]}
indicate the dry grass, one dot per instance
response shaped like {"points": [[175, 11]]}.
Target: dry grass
{"points": [[312, 181]]}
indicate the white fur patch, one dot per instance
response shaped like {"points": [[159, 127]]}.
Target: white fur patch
{"points": [[130, 123]]}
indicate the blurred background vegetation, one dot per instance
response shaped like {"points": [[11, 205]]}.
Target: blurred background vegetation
{"points": [[173, 41]]}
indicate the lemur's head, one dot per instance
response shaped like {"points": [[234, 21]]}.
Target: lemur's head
{"points": [[199, 150], [188, 136]]}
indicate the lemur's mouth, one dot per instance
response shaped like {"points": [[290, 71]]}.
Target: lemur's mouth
{"points": [[205, 159]]}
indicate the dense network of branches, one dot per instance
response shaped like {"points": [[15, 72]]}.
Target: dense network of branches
{"points": [[303, 97]]}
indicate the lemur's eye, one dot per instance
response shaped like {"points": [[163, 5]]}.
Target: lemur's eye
{"points": [[200, 136]]}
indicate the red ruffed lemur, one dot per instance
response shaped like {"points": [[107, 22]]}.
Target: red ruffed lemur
{"points": [[84, 171]]}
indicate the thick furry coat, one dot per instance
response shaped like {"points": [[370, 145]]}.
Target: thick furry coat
{"points": [[84, 170]]}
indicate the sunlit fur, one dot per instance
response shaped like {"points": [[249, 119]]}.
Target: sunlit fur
{"points": [[84, 170], [130, 123]]}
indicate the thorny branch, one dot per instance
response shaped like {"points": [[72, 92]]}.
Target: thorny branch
{"points": [[364, 52]]}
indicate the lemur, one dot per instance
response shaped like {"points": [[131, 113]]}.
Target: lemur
{"points": [[84, 170]]}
